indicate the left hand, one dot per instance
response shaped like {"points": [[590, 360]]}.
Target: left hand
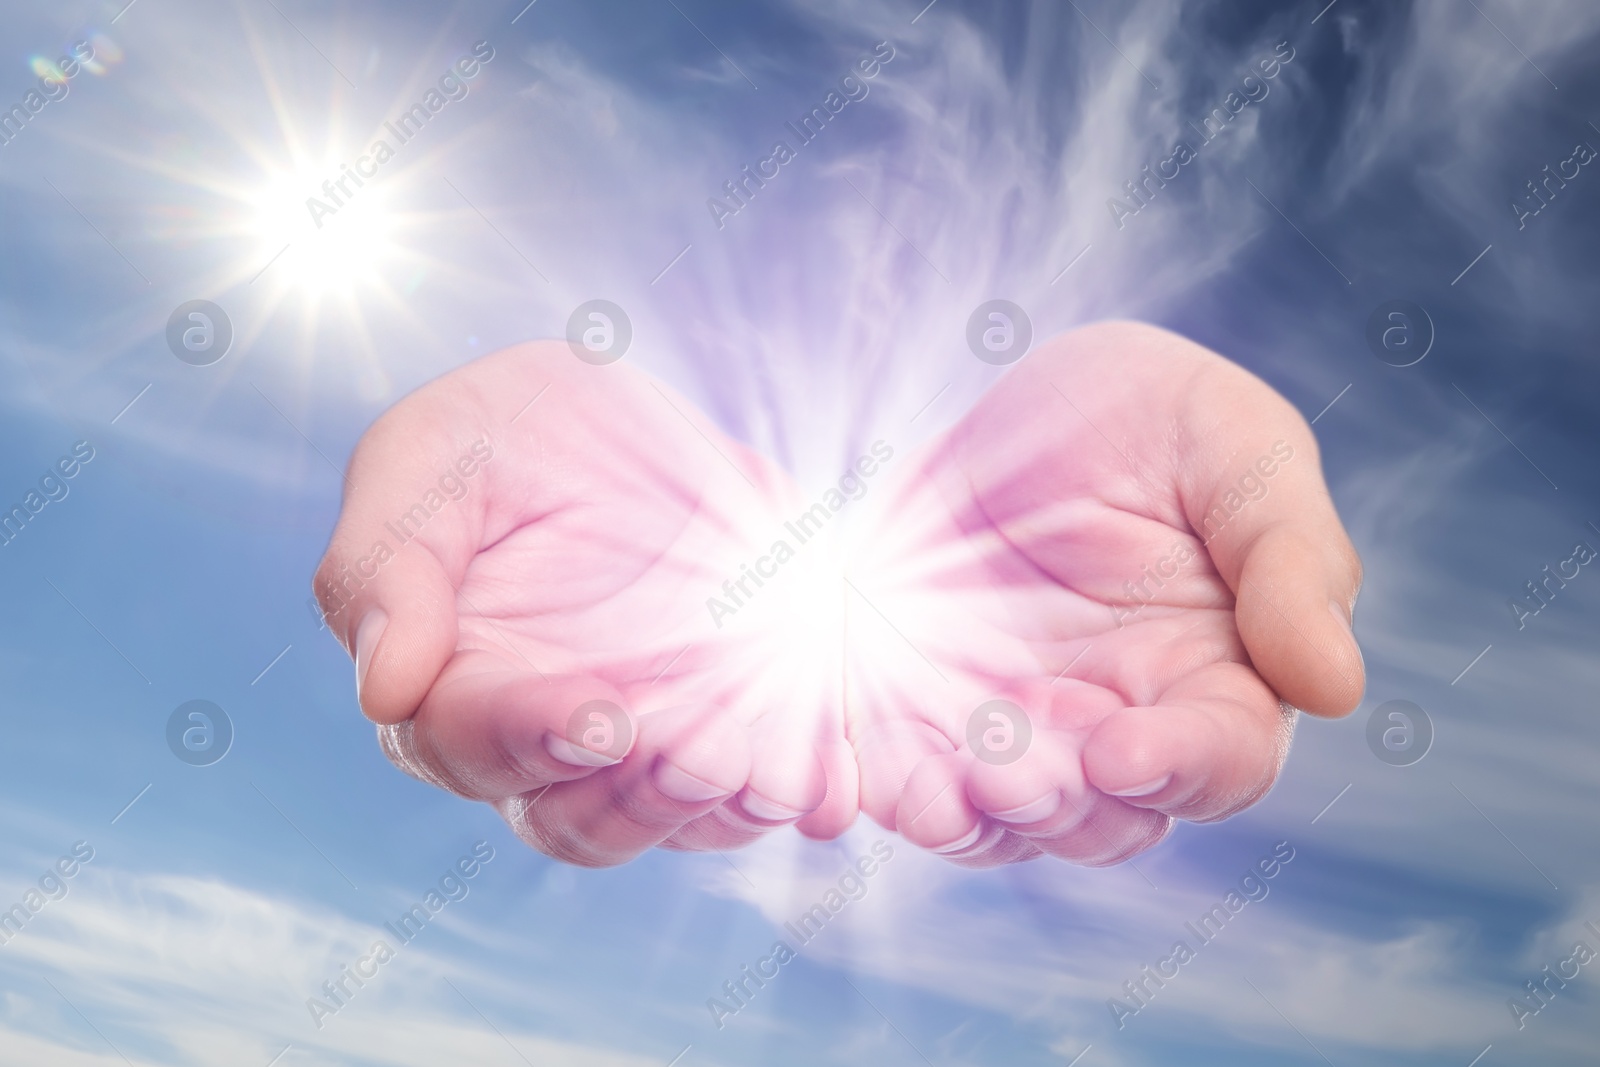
{"points": [[1130, 538]]}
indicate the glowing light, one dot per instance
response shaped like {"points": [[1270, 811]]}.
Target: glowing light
{"points": [[335, 253], [107, 54], [46, 69], [808, 606]]}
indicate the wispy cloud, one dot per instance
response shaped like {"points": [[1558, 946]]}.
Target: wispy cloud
{"points": [[179, 970]]}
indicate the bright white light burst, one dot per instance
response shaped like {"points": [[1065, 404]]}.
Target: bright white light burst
{"points": [[343, 255]]}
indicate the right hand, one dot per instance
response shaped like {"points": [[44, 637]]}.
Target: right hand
{"points": [[575, 567]]}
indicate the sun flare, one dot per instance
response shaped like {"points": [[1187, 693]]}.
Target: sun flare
{"points": [[340, 254]]}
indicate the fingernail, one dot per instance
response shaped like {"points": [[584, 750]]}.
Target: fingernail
{"points": [[576, 755], [683, 786], [966, 840], [760, 807], [368, 634], [1143, 790], [1042, 808]]}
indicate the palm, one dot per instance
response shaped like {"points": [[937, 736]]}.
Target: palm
{"points": [[578, 565], [1044, 551], [602, 570], [1048, 551]]}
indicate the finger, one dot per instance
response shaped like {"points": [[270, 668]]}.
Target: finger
{"points": [[1020, 777], [1296, 623], [787, 781], [1029, 791], [1102, 832], [842, 801], [1248, 482], [387, 581], [686, 762], [488, 730], [934, 812], [887, 754], [997, 848], [787, 778], [1212, 747], [1253, 491], [1044, 800]]}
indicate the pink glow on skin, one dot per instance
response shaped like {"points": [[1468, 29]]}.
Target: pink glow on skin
{"points": [[1128, 538]]}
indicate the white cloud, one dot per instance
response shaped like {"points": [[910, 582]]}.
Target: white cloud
{"points": [[1047, 945], [176, 970]]}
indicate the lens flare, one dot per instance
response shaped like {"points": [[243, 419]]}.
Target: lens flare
{"points": [[107, 54], [46, 69]]}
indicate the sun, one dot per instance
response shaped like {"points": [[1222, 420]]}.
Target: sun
{"points": [[321, 254], [292, 221]]}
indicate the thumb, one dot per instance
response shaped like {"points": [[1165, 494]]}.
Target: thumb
{"points": [[1256, 498], [410, 525]]}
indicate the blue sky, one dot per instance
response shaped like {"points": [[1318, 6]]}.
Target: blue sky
{"points": [[1382, 165]]}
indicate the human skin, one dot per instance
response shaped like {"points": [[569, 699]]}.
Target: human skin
{"points": [[1005, 563], [574, 569], [577, 565]]}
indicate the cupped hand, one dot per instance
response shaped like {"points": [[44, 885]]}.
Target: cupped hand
{"points": [[520, 571], [1129, 542]]}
